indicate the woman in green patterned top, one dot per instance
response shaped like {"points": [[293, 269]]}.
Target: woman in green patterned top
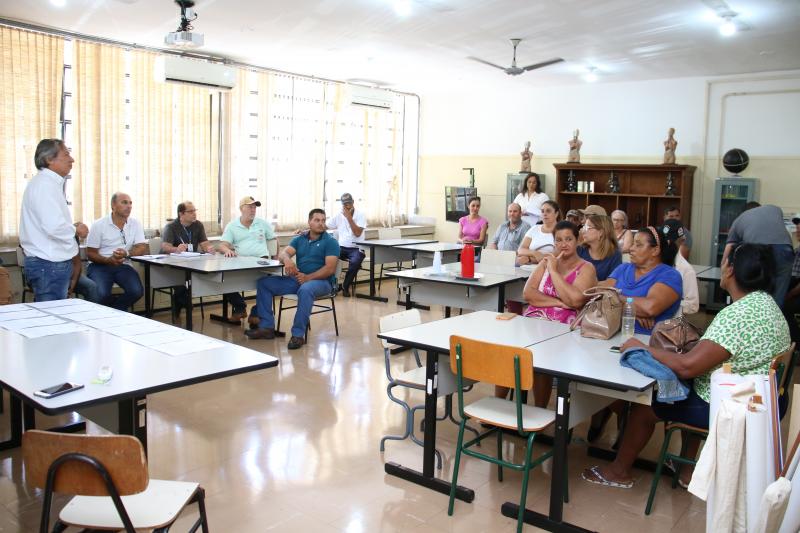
{"points": [[748, 334]]}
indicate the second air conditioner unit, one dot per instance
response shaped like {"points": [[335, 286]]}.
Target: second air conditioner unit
{"points": [[371, 97], [175, 69]]}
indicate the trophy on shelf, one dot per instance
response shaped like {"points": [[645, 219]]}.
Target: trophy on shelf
{"points": [[613, 183], [670, 186], [572, 184]]}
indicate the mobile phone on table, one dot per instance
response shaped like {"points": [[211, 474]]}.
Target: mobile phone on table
{"points": [[57, 390], [614, 349]]}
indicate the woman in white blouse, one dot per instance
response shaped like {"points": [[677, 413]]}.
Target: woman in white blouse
{"points": [[538, 242], [530, 199], [624, 235]]}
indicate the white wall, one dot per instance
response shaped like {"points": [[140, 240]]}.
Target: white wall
{"points": [[463, 126]]}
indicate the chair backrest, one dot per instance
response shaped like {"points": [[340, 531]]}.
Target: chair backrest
{"points": [[121, 455], [780, 364], [155, 245], [491, 363], [403, 319], [389, 233], [490, 256], [272, 247]]}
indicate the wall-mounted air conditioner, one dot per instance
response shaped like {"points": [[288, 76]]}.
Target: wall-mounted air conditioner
{"points": [[371, 97], [175, 69]]}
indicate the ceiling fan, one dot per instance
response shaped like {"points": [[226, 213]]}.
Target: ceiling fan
{"points": [[514, 70]]}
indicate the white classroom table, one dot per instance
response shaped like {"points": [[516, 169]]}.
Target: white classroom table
{"points": [[385, 251], [588, 376], [489, 292], [31, 364], [204, 275], [422, 254], [713, 274], [699, 269]]}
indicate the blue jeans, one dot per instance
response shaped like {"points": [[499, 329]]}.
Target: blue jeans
{"points": [[49, 280], [784, 257], [354, 258], [693, 410], [87, 288], [271, 286], [123, 275]]}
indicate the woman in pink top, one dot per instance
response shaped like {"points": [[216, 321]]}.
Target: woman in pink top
{"points": [[555, 291], [473, 227]]}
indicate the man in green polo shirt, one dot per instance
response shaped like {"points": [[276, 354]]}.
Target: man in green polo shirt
{"points": [[248, 236]]}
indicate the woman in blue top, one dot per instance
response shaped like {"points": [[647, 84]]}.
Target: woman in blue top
{"points": [[655, 286], [599, 245]]}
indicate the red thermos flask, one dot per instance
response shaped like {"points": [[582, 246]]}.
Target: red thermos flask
{"points": [[468, 261]]}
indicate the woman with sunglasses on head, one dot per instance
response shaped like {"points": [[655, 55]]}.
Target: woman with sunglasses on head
{"points": [[748, 334], [623, 235], [600, 245], [538, 241]]}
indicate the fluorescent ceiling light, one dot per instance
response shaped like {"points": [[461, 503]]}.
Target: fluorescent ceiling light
{"points": [[402, 7], [727, 28]]}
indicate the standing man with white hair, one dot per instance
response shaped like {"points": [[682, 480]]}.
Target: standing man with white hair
{"points": [[46, 233]]}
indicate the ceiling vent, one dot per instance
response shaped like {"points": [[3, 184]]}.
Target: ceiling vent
{"points": [[175, 69], [371, 97]]}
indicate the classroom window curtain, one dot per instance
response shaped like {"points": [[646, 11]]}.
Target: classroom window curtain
{"points": [[156, 142], [31, 72]]}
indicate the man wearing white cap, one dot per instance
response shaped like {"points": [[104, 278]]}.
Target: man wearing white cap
{"points": [[248, 236], [349, 224]]}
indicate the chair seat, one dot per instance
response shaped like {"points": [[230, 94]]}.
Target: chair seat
{"points": [[687, 427], [157, 506], [293, 297], [503, 413], [412, 378]]}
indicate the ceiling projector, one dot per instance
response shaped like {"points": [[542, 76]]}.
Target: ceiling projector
{"points": [[183, 37]]}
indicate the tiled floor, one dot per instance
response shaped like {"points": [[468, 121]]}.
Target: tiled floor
{"points": [[295, 449]]}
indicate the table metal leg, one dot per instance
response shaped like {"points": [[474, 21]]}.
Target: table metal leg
{"points": [[189, 305], [501, 299], [371, 295], [133, 418], [148, 303], [426, 477], [554, 521]]}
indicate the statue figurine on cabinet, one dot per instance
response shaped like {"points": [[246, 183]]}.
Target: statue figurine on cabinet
{"points": [[613, 183], [575, 148], [669, 147], [670, 189], [572, 183], [527, 156]]}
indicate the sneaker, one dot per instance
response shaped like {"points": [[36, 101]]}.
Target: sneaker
{"points": [[253, 321], [261, 333], [296, 342], [346, 291]]}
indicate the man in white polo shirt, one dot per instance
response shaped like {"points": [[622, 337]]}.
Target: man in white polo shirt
{"points": [[46, 233], [111, 241], [247, 235], [350, 225]]}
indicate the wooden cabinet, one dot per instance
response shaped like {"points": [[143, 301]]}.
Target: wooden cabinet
{"points": [[641, 190]]}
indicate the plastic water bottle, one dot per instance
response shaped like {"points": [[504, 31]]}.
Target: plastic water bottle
{"points": [[437, 262], [628, 319]]}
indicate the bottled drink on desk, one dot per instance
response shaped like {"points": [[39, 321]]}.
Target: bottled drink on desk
{"points": [[628, 319], [468, 261]]}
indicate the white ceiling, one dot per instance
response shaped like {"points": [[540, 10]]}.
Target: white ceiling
{"points": [[343, 39]]}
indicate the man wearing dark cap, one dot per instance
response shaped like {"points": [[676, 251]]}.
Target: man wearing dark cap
{"points": [[791, 304], [350, 225], [690, 301], [248, 236]]}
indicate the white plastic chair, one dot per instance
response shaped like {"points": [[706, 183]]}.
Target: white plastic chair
{"points": [[389, 233]]}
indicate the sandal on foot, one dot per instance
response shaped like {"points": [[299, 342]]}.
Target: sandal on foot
{"points": [[593, 475]]}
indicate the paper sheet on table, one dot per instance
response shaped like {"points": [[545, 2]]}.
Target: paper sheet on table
{"points": [[16, 315], [186, 254], [150, 256], [13, 307], [139, 328], [58, 303], [97, 313], [71, 309], [58, 329], [161, 337], [115, 321], [16, 325], [193, 344]]}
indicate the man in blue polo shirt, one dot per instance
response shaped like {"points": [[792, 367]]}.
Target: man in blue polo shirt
{"points": [[248, 236], [313, 274]]}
